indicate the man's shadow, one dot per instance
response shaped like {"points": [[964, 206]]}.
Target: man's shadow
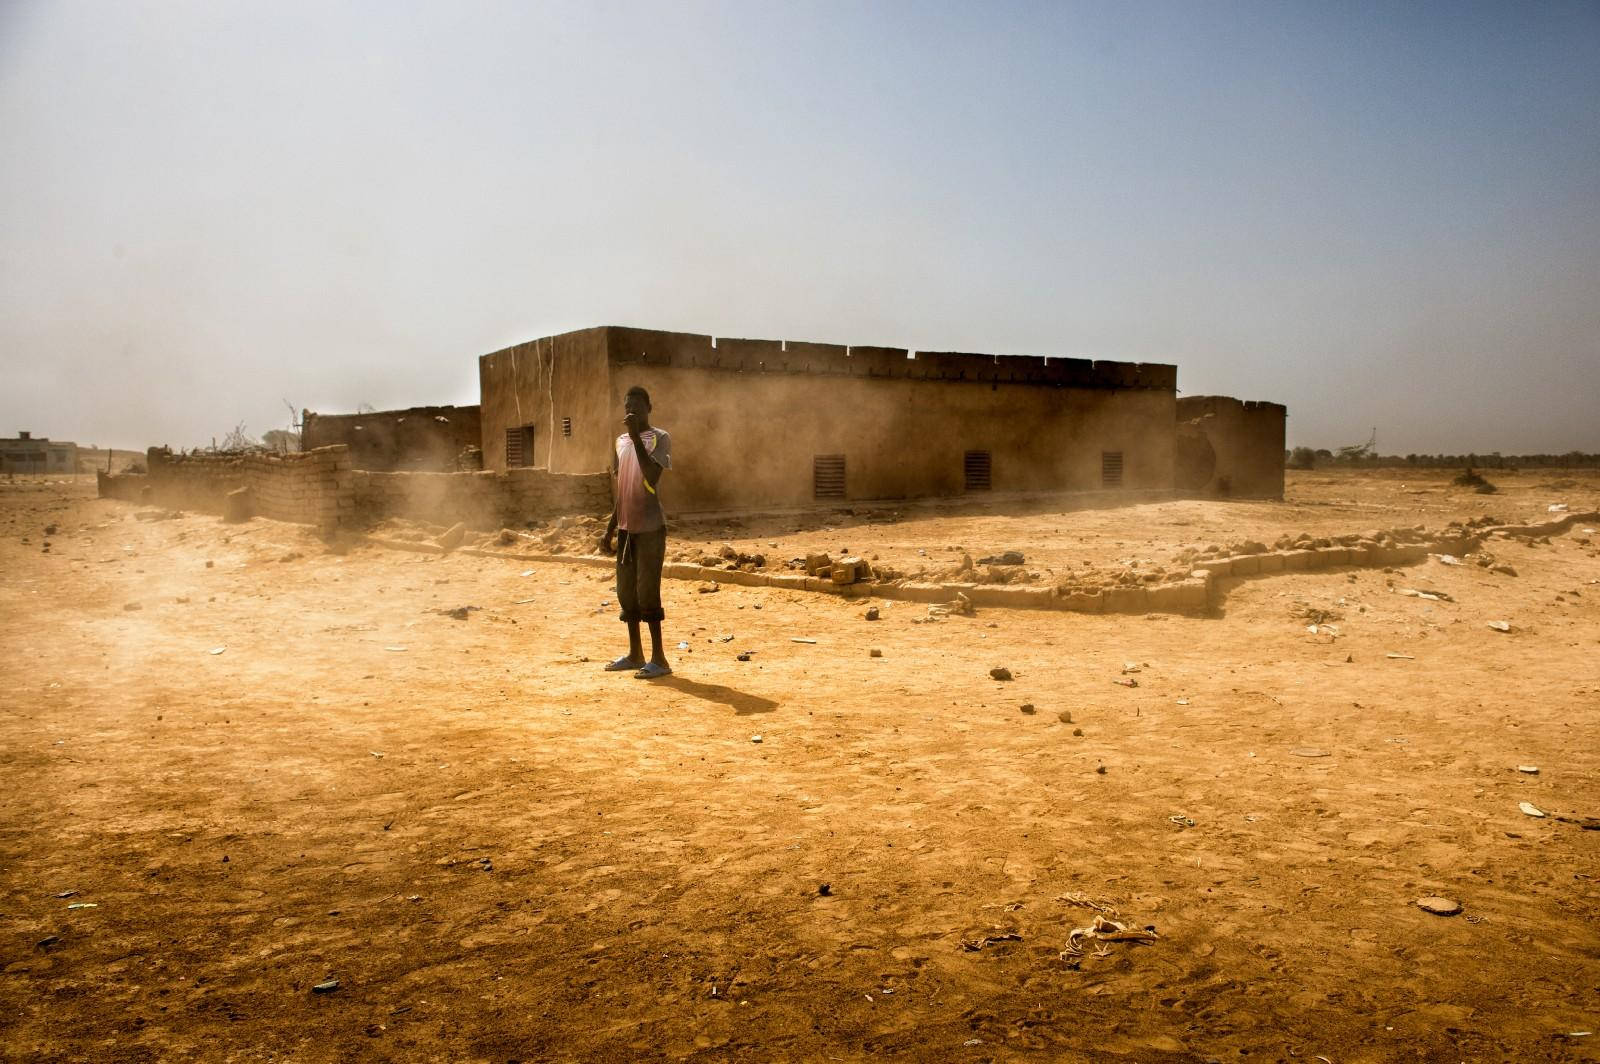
{"points": [[741, 703]]}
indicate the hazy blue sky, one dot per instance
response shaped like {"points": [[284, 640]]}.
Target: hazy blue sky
{"points": [[1382, 215]]}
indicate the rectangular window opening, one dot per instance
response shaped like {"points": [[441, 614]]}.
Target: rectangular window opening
{"points": [[519, 447], [827, 476], [975, 468], [1111, 469], [566, 426]]}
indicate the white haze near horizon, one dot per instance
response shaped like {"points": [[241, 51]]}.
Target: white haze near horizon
{"points": [[1381, 215]]}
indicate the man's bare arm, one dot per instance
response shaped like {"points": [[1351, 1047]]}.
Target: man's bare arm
{"points": [[647, 465], [606, 544]]}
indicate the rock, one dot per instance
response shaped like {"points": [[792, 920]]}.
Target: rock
{"points": [[1027, 707], [874, 653], [1529, 809], [210, 564], [1100, 770], [1065, 716], [452, 537], [507, 537], [1529, 770], [825, 889], [131, 606], [1439, 906], [1077, 732], [872, 613], [1010, 557], [327, 986], [1503, 569], [49, 530], [1000, 673]]}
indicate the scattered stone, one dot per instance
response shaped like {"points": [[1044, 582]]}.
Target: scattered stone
{"points": [[1503, 569], [47, 941], [755, 738], [292, 556], [1000, 673], [872, 613], [210, 564], [49, 530], [1500, 626], [826, 889], [1529, 809], [874, 653], [1027, 707], [744, 656], [1129, 682], [1309, 751], [1528, 770], [1078, 732], [708, 589], [1439, 906], [1100, 770], [327, 986], [1065, 716], [452, 537], [132, 606], [507, 537]]}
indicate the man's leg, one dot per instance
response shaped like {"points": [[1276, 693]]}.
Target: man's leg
{"points": [[628, 602], [652, 552]]}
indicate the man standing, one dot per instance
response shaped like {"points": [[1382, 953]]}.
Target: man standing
{"points": [[641, 454]]}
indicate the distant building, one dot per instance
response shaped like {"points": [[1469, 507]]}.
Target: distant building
{"points": [[774, 423], [23, 453]]}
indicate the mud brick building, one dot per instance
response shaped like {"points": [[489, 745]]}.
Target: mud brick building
{"points": [[27, 453], [781, 423]]}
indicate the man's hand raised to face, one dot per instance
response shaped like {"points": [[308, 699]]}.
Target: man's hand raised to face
{"points": [[634, 423]]}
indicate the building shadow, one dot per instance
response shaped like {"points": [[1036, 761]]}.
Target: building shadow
{"points": [[741, 703]]}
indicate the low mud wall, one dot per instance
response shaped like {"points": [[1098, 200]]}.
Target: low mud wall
{"points": [[484, 501], [128, 487], [308, 487], [1202, 591]]}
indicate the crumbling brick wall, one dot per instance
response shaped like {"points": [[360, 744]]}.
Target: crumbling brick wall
{"points": [[308, 487], [429, 438], [484, 500]]}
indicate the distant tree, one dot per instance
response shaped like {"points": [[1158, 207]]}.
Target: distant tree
{"points": [[284, 441], [239, 440], [1302, 458]]}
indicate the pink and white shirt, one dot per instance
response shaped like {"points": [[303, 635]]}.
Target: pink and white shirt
{"points": [[638, 505]]}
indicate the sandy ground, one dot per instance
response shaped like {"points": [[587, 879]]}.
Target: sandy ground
{"points": [[284, 767]]}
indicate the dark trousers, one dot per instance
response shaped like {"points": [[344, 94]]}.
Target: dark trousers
{"points": [[639, 558]]}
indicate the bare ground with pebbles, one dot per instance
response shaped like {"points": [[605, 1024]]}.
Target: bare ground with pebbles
{"points": [[502, 853]]}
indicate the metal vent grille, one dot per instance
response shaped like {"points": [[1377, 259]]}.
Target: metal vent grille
{"points": [[827, 476], [519, 447], [975, 466], [566, 426], [1111, 469]]}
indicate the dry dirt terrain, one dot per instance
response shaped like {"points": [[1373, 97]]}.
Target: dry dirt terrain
{"points": [[241, 763]]}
